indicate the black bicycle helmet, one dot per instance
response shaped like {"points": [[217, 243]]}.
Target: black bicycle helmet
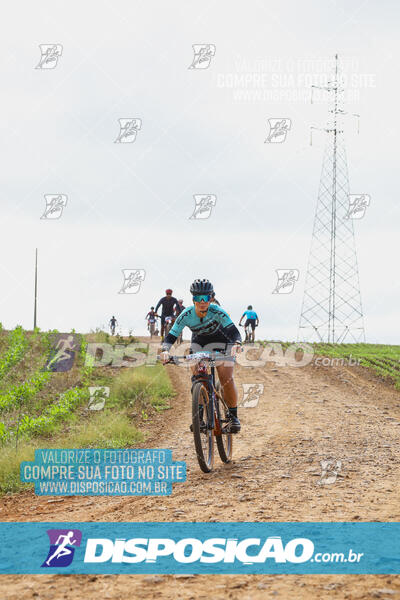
{"points": [[201, 286]]}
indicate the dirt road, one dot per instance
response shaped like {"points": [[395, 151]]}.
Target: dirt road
{"points": [[305, 415]]}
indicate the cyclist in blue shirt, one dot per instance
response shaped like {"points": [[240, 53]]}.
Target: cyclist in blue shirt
{"points": [[212, 330], [251, 319]]}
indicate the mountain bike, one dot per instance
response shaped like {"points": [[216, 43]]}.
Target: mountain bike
{"points": [[247, 333], [151, 326], [169, 321], [210, 413]]}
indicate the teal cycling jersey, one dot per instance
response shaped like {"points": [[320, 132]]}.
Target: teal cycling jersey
{"points": [[216, 324], [250, 314]]}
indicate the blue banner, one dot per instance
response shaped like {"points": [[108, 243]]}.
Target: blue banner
{"points": [[103, 472], [219, 548]]}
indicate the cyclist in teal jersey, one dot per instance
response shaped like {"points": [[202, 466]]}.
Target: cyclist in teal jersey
{"points": [[251, 319], [212, 330]]}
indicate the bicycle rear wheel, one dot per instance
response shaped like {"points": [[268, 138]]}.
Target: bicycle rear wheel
{"points": [[224, 440], [202, 433]]}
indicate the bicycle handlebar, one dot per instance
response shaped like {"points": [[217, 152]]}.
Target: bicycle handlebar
{"points": [[198, 356]]}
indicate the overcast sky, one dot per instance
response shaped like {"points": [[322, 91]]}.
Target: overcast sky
{"points": [[202, 132]]}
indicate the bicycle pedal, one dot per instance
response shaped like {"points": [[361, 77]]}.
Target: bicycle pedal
{"points": [[203, 427]]}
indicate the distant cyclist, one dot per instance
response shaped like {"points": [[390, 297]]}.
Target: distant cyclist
{"points": [[212, 330], [151, 320], [151, 315], [113, 323], [179, 308], [251, 320], [168, 303]]}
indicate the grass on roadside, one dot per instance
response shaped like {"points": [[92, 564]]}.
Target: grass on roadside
{"points": [[134, 394]]}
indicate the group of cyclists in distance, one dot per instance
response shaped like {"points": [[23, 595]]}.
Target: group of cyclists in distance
{"points": [[212, 330]]}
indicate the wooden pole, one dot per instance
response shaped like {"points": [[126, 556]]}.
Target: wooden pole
{"points": [[35, 305]]}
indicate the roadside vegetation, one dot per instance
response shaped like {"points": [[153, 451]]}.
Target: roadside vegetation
{"points": [[382, 359], [44, 409]]}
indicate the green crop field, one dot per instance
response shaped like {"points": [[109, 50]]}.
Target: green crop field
{"points": [[382, 359], [45, 409]]}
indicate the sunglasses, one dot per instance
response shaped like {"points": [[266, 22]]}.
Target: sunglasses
{"points": [[202, 298]]}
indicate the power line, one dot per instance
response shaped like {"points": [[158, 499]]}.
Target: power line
{"points": [[332, 309]]}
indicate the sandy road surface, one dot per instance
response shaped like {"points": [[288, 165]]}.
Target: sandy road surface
{"points": [[304, 416]]}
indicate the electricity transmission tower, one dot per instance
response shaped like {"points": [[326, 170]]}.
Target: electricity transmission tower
{"points": [[332, 310]]}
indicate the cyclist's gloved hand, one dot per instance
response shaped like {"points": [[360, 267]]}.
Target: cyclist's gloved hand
{"points": [[165, 356]]}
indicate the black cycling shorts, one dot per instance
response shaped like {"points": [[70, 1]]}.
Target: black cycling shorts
{"points": [[252, 323], [164, 316], [212, 343]]}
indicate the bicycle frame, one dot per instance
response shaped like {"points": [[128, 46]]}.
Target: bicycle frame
{"points": [[202, 358], [208, 426]]}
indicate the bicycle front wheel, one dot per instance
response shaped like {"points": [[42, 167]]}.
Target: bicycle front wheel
{"points": [[202, 432], [224, 440]]}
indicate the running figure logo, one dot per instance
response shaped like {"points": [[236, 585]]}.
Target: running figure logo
{"points": [[61, 552], [128, 129], [55, 203], [98, 397], [330, 470], [50, 53], [286, 280], [203, 54], [357, 206], [203, 204], [62, 354], [132, 280], [251, 394], [278, 129]]}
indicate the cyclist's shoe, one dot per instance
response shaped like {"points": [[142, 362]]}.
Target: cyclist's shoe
{"points": [[233, 425]]}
